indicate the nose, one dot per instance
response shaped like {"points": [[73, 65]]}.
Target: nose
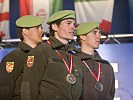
{"points": [[73, 26], [98, 35], [42, 33]]}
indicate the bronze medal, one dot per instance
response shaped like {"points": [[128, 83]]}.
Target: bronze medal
{"points": [[71, 78], [99, 86]]}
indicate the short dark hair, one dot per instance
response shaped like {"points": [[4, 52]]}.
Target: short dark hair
{"points": [[57, 22], [19, 32], [78, 40]]}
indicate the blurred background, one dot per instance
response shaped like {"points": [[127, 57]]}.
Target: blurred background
{"points": [[116, 22]]}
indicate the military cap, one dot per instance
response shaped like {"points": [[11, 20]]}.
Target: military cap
{"points": [[86, 27], [64, 14], [29, 21]]}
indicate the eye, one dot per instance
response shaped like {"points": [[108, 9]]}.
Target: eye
{"points": [[68, 23], [97, 31], [100, 31], [94, 32], [39, 27]]}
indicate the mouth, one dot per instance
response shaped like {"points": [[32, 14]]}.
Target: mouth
{"points": [[98, 41], [40, 36], [72, 33]]}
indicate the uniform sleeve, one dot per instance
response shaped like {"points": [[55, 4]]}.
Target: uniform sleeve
{"points": [[32, 77], [4, 80], [112, 91], [7, 73]]}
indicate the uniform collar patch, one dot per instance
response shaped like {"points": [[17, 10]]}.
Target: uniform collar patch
{"points": [[9, 66], [30, 61]]}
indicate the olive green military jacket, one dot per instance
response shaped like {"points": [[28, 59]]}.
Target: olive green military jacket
{"points": [[46, 78], [107, 78], [10, 68]]}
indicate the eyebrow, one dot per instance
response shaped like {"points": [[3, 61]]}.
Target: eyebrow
{"points": [[67, 21], [95, 31]]}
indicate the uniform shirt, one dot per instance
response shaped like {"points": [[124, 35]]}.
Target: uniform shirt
{"points": [[8, 78], [107, 78], [46, 79]]}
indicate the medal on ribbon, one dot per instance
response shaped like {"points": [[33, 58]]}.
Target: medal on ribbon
{"points": [[70, 78], [98, 85]]}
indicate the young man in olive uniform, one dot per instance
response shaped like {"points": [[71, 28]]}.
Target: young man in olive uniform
{"points": [[98, 80], [30, 32], [57, 73]]}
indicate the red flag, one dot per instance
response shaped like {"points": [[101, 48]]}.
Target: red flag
{"points": [[26, 7]]}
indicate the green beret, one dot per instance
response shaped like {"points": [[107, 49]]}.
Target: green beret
{"points": [[64, 14], [86, 27], [29, 21]]}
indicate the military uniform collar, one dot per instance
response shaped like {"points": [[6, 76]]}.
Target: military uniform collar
{"points": [[95, 57], [56, 44], [24, 47]]}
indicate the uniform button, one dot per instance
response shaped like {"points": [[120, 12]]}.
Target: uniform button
{"points": [[76, 72]]}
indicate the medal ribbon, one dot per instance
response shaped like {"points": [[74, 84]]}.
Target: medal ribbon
{"points": [[69, 69], [99, 71]]}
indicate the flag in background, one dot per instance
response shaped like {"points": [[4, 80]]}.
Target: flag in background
{"points": [[4, 19], [25, 7], [55, 5], [131, 14], [95, 10], [43, 8], [35, 7]]}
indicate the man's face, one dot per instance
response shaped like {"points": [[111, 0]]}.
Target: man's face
{"points": [[35, 34], [93, 38], [65, 31]]}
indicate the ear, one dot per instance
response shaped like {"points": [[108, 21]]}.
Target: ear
{"points": [[83, 37], [54, 27], [25, 31]]}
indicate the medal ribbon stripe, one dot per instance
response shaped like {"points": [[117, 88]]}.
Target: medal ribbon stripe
{"points": [[69, 68], [99, 71], [70, 78]]}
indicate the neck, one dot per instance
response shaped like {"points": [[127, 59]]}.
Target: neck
{"points": [[87, 49], [31, 44], [61, 39]]}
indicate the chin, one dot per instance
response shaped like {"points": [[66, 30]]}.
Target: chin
{"points": [[39, 41], [70, 38], [96, 47]]}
